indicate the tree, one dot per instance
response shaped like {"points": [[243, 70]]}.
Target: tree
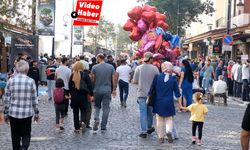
{"points": [[188, 11], [12, 11], [104, 31], [123, 39]]}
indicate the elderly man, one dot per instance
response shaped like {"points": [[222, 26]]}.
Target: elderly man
{"points": [[20, 104], [219, 89]]}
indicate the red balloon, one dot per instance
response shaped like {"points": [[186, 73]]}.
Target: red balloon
{"points": [[177, 51], [149, 8], [162, 24], [138, 54], [156, 63], [160, 16], [135, 13], [135, 35], [166, 44], [158, 42], [152, 25], [148, 16], [129, 25]]}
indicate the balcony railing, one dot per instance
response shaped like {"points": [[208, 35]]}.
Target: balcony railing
{"points": [[240, 20]]}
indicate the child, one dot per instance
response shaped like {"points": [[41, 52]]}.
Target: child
{"points": [[59, 96], [198, 111]]}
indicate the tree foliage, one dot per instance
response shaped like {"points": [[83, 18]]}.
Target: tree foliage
{"points": [[123, 39], [12, 11], [104, 31], [189, 10]]}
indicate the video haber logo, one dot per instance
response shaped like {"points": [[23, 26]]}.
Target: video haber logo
{"points": [[87, 13]]}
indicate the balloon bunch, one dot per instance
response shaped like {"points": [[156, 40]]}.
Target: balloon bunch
{"points": [[148, 27]]}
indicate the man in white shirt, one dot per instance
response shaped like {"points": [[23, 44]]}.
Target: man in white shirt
{"points": [[123, 72], [245, 80], [236, 75], [219, 89], [64, 73], [84, 63]]}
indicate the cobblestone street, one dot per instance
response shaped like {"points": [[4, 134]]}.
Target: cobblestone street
{"points": [[221, 130]]}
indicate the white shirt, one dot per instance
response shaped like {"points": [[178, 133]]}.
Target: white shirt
{"points": [[219, 87], [196, 84], [85, 64], [64, 73], [124, 71], [245, 72], [235, 71]]}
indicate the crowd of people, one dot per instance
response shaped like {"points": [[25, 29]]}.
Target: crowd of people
{"points": [[81, 84]]}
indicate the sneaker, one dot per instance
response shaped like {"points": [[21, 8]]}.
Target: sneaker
{"points": [[61, 128], [161, 140], [77, 130], [143, 135], [170, 138], [96, 124], [103, 130], [193, 140], [89, 127], [83, 127], [199, 143], [50, 98], [151, 130], [124, 104]]}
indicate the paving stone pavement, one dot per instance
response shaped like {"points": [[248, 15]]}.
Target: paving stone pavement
{"points": [[221, 130]]}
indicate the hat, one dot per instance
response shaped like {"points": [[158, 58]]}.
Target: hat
{"points": [[147, 56]]}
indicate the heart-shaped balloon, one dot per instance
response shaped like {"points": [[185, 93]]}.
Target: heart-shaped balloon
{"points": [[148, 8], [160, 16], [130, 24], [162, 24], [135, 13], [166, 44], [142, 26], [148, 16], [135, 35], [149, 46], [158, 42]]}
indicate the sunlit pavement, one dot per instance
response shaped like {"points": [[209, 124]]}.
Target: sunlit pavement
{"points": [[221, 129]]}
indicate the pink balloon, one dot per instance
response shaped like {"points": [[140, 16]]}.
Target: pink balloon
{"points": [[149, 46], [158, 56], [142, 26]]}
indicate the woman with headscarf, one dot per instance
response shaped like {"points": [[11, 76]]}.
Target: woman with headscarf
{"points": [[79, 97], [186, 83], [165, 84]]}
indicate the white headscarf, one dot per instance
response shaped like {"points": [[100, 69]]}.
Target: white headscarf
{"points": [[167, 69]]}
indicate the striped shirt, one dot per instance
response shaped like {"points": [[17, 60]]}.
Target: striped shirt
{"points": [[20, 100]]}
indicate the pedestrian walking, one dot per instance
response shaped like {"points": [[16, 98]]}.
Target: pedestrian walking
{"points": [[123, 72], [237, 76], [50, 73], [34, 73], [64, 73], [84, 63], [245, 133], [111, 61], [230, 78], [80, 87], [186, 83], [144, 75], [60, 97], [165, 85], [245, 80], [208, 76], [93, 63], [20, 105], [198, 111], [103, 76]]}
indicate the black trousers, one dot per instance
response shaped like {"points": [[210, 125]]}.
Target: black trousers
{"points": [[237, 90], [245, 94], [230, 87], [66, 103], [200, 81], [20, 130], [86, 114], [194, 127]]}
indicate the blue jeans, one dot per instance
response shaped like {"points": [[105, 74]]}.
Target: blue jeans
{"points": [[206, 83], [123, 88], [146, 116], [51, 86]]}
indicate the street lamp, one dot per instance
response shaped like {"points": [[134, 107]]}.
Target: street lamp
{"points": [[240, 7]]}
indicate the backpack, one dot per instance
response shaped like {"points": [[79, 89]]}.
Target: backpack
{"points": [[58, 95]]}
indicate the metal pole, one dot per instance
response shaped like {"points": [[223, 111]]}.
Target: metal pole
{"points": [[71, 30], [83, 49], [178, 18], [229, 16], [34, 17]]}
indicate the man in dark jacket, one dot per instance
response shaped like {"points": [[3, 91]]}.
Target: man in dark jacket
{"points": [[34, 73]]}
